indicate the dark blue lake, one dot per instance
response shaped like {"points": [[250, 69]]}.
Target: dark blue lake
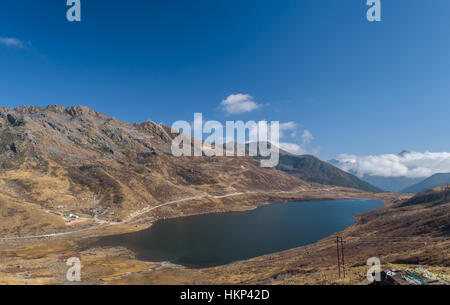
{"points": [[217, 239]]}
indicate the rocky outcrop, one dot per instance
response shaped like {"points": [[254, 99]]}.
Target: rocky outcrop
{"points": [[124, 166]]}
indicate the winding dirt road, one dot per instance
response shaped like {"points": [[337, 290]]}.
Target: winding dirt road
{"points": [[125, 221]]}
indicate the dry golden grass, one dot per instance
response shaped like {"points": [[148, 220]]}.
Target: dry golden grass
{"points": [[18, 219]]}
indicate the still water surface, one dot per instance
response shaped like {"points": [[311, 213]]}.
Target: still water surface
{"points": [[217, 239]]}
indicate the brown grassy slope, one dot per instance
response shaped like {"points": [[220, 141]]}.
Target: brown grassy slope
{"points": [[413, 235], [394, 233], [80, 161], [310, 168]]}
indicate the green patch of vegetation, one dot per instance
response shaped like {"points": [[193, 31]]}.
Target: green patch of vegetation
{"points": [[99, 182], [105, 149], [54, 170], [6, 139], [27, 185], [145, 158], [430, 196], [139, 169], [42, 166], [195, 177]]}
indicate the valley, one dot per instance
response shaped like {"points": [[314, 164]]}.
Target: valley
{"points": [[71, 174], [381, 233]]}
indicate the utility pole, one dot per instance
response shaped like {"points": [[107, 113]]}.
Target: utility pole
{"points": [[343, 260], [338, 257]]}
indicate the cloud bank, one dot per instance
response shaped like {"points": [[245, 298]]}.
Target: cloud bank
{"points": [[239, 103], [293, 148], [288, 130], [288, 138], [407, 164], [298, 148]]}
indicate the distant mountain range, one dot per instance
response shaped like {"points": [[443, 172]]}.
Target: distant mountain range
{"points": [[433, 181], [387, 184], [405, 184], [77, 160], [310, 168], [400, 184], [87, 162], [433, 196], [391, 184]]}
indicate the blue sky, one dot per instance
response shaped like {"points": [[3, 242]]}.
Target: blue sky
{"points": [[358, 87]]}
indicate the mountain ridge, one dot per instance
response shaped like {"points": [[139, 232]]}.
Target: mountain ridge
{"points": [[312, 169], [58, 160], [430, 182]]}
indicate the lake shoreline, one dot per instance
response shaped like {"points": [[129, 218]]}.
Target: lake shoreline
{"points": [[299, 223], [37, 252]]}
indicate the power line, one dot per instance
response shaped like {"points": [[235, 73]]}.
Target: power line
{"points": [[343, 260], [340, 255]]}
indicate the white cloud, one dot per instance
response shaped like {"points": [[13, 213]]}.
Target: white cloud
{"points": [[239, 103], [262, 131], [289, 126], [11, 42], [293, 148], [263, 128], [307, 137], [409, 164]]}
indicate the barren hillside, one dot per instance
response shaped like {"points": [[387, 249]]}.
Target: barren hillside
{"points": [[57, 161]]}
